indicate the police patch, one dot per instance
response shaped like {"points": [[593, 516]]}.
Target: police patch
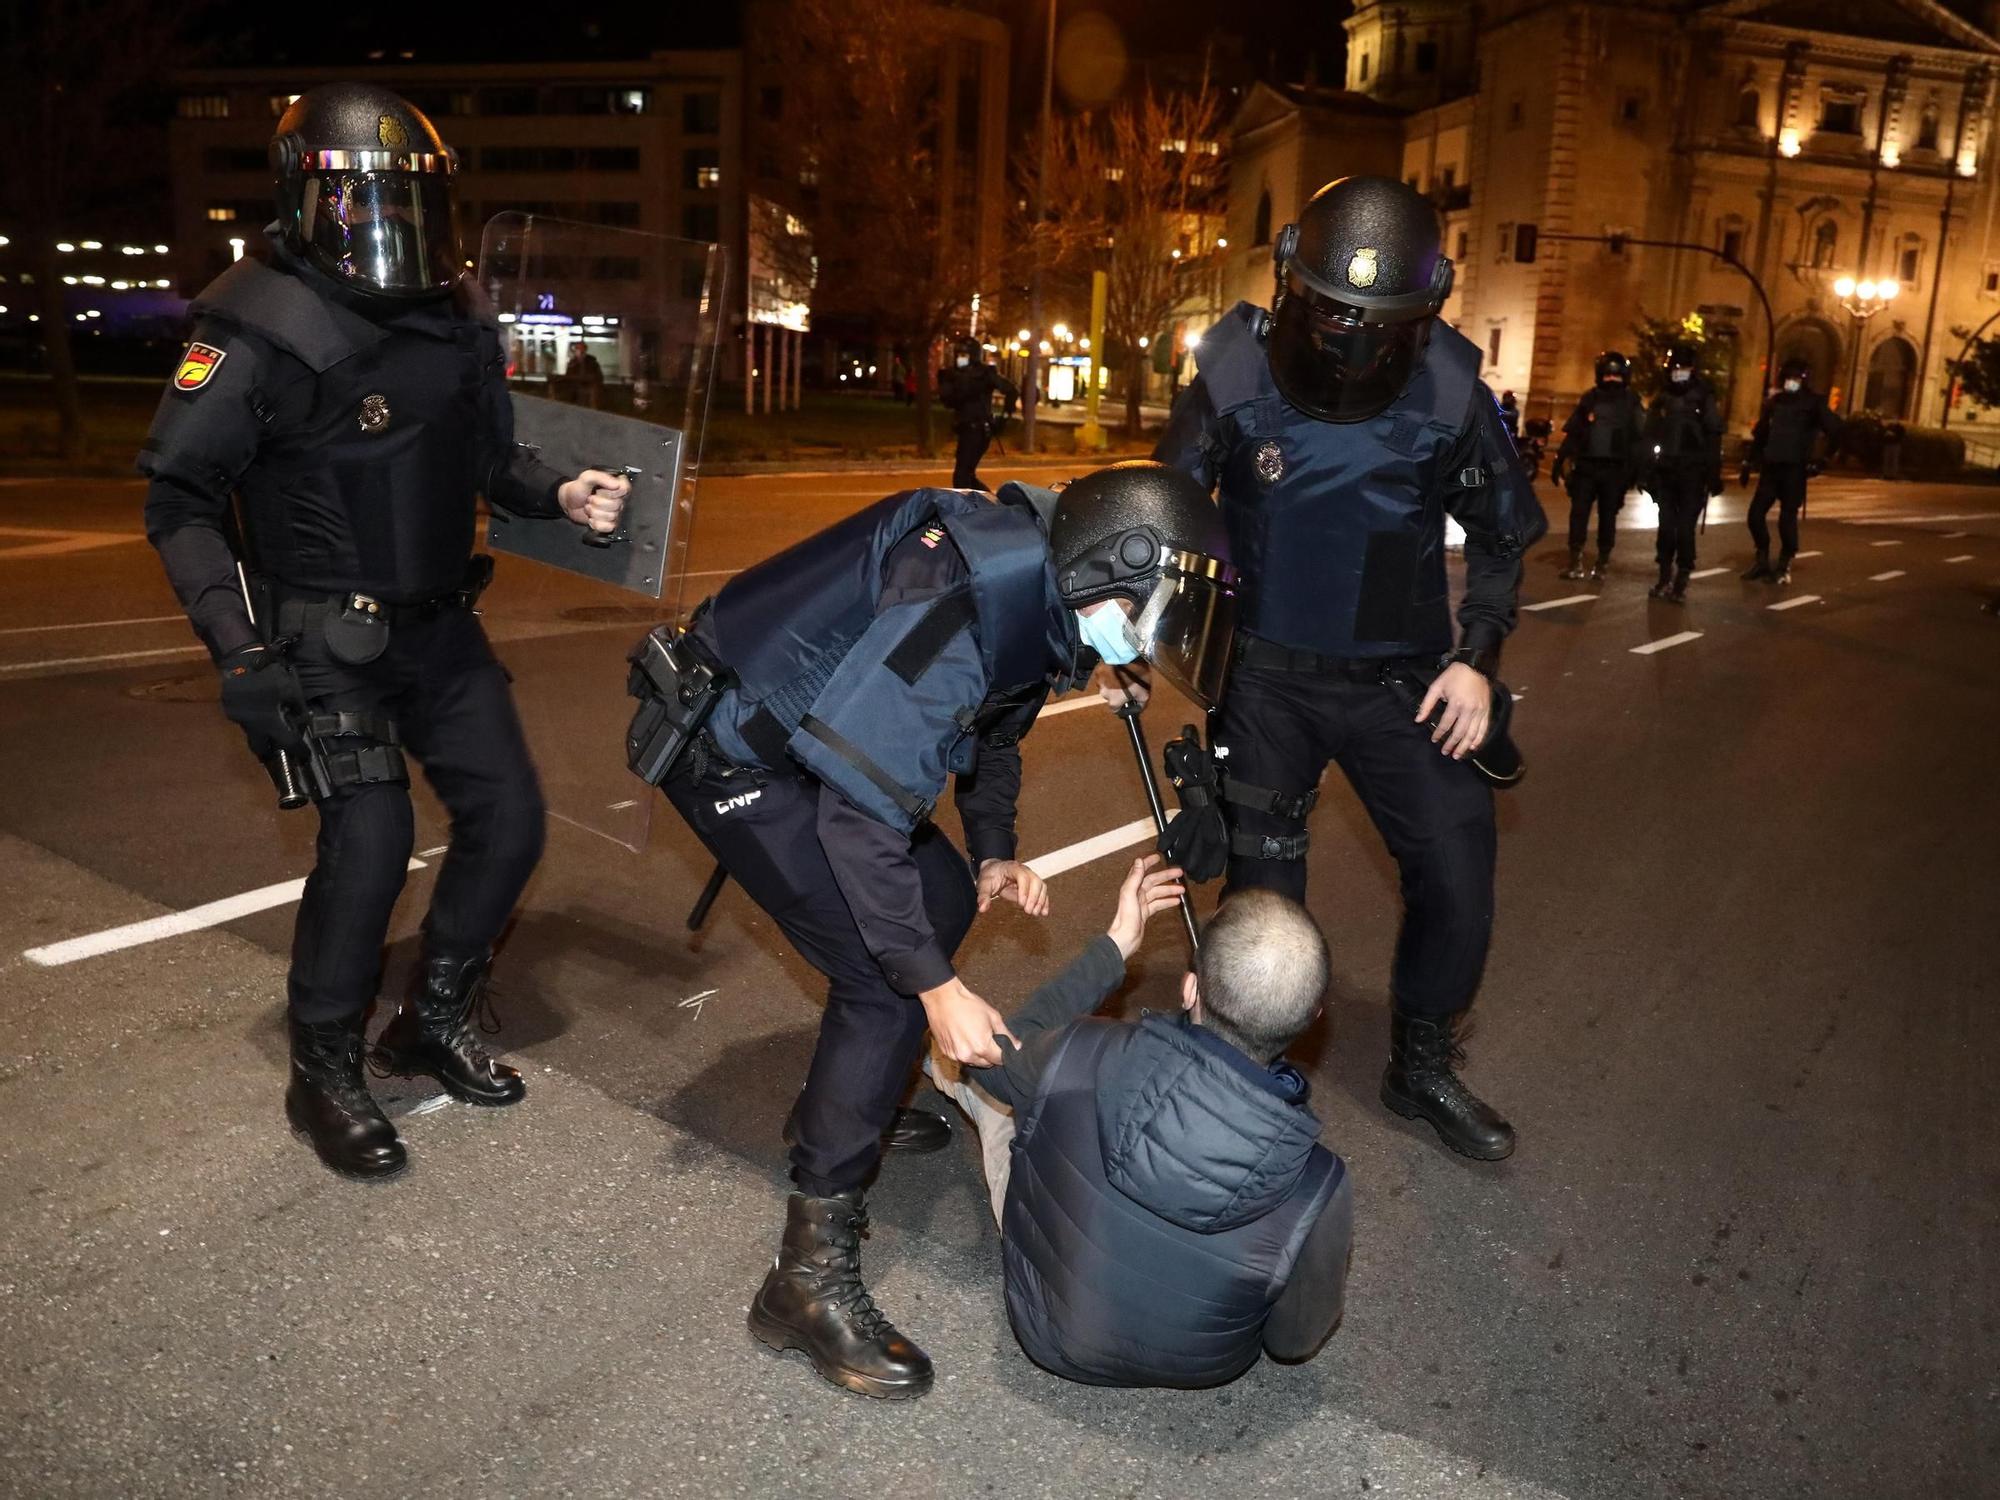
{"points": [[932, 537], [1361, 269], [200, 362], [374, 413], [1269, 462], [389, 131]]}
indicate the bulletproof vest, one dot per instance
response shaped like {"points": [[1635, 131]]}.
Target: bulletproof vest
{"points": [[969, 394], [1678, 422], [789, 628], [1793, 420], [1105, 1290], [368, 474], [1608, 415], [1338, 527]]}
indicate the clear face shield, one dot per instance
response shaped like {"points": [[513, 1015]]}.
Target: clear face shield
{"points": [[1188, 624], [384, 232]]}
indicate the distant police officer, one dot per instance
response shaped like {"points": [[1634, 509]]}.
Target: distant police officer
{"points": [[968, 387], [1599, 457], [860, 669], [1340, 430], [1680, 464], [1782, 445], [349, 401]]}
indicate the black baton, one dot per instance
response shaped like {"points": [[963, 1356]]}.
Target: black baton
{"points": [[707, 897], [1130, 714]]}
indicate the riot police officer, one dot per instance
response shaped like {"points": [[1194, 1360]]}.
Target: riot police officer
{"points": [[1340, 429], [1599, 457], [1794, 418], [968, 388], [321, 449], [859, 670], [1680, 457]]}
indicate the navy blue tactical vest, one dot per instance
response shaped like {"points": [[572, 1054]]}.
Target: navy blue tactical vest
{"points": [[889, 724], [1611, 421], [1155, 1212], [1338, 527], [1793, 421]]}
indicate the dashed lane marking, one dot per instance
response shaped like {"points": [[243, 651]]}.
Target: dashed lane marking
{"points": [[1071, 705], [1082, 853], [1962, 557], [1886, 544], [1559, 603], [65, 663], [1885, 577], [1795, 602], [1808, 554], [1666, 643], [173, 924], [92, 625], [1706, 573]]}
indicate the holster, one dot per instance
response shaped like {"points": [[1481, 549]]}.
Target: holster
{"points": [[677, 684], [1494, 757]]}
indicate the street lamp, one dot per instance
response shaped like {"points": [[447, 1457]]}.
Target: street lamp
{"points": [[1861, 300]]}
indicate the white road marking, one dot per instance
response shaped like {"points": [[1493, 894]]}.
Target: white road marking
{"points": [[1794, 603], [46, 543], [430, 1106], [173, 924], [432, 853], [1952, 536], [621, 806], [1707, 573], [1665, 642], [1809, 554], [586, 828], [91, 625], [1109, 842], [1559, 603], [1962, 557], [1071, 705], [1885, 577], [101, 661], [696, 1002], [1885, 544]]}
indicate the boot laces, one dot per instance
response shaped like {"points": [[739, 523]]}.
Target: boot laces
{"points": [[847, 1291], [332, 1056]]}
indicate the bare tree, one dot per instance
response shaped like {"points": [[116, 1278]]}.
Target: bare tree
{"points": [[70, 77], [1127, 190], [891, 220]]}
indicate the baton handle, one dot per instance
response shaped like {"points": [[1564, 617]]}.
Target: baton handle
{"points": [[706, 899], [1130, 714]]}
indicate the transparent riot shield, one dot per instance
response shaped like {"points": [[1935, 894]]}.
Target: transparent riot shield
{"points": [[610, 338]]}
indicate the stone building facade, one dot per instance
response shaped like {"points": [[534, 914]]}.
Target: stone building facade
{"points": [[1807, 140]]}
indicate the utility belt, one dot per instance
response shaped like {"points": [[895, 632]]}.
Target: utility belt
{"points": [[355, 626], [1255, 651], [677, 682]]}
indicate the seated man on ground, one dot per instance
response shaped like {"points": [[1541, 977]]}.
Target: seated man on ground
{"points": [[1165, 1205]]}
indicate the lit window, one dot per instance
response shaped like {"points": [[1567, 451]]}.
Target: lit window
{"points": [[204, 106], [221, 213], [708, 177]]}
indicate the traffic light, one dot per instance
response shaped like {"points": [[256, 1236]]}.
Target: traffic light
{"points": [[1525, 236]]}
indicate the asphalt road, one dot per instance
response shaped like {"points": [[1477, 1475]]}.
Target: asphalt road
{"points": [[1737, 1005]]}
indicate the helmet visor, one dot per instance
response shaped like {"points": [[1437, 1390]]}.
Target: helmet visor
{"points": [[387, 232], [1331, 363], [1189, 624]]}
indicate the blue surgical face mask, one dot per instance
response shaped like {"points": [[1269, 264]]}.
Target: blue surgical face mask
{"points": [[1107, 632], [1680, 377], [963, 361]]}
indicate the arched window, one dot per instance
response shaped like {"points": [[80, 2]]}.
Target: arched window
{"points": [[1927, 129], [1748, 106], [1260, 233], [1892, 370], [1826, 240], [1364, 67]]}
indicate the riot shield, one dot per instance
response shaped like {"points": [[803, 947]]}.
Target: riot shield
{"points": [[610, 338]]}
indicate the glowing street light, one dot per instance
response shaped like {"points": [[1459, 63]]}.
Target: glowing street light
{"points": [[1844, 286], [1060, 331], [1788, 142], [1144, 341], [1024, 335]]}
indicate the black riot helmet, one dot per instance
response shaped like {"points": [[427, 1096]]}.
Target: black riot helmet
{"points": [[1683, 359], [364, 191], [1360, 278], [1795, 369], [1149, 534], [1613, 368], [970, 350]]}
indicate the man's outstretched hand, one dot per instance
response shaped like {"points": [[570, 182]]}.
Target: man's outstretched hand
{"points": [[1151, 887]]}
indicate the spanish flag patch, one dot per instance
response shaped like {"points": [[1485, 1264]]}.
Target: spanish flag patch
{"points": [[200, 362]]}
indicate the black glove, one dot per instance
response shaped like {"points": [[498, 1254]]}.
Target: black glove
{"points": [[1814, 468], [1196, 838], [262, 698], [1715, 481], [1743, 474], [1558, 469]]}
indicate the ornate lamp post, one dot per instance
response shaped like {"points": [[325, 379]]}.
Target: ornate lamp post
{"points": [[1861, 300]]}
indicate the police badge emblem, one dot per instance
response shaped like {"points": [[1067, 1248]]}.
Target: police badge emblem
{"points": [[389, 131], [1269, 462], [1361, 269], [374, 413]]}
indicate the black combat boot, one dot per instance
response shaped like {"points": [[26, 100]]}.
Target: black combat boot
{"points": [[1760, 570], [1421, 1085], [329, 1104], [813, 1301], [1782, 574], [917, 1131], [1659, 590], [1575, 568], [432, 1033], [1677, 592], [1600, 569]]}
